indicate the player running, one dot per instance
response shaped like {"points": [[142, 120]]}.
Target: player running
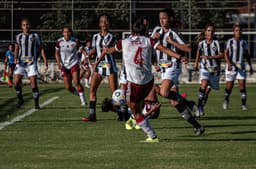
{"points": [[105, 65], [209, 55], [9, 64], [169, 65], [86, 65], [235, 53], [66, 54], [26, 54]]}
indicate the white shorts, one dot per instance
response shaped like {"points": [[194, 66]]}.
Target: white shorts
{"points": [[171, 73], [213, 78], [26, 70], [233, 74]]}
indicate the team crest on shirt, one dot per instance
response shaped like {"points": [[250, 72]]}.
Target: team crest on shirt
{"points": [[214, 48]]}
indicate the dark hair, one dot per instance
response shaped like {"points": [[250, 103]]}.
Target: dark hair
{"points": [[25, 19], [12, 45], [236, 25], [138, 27], [201, 36], [168, 11], [69, 29], [107, 16]]}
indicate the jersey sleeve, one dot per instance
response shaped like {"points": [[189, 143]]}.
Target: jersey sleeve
{"points": [[57, 44], [118, 45], [228, 45], [38, 41], [94, 41], [177, 38]]}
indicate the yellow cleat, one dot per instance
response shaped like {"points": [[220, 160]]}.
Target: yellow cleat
{"points": [[137, 127], [150, 140], [128, 126]]}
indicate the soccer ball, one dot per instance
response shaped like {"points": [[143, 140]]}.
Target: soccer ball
{"points": [[118, 97]]}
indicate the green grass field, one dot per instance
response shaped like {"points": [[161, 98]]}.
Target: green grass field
{"points": [[55, 137]]}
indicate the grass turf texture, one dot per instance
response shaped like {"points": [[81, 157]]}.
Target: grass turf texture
{"points": [[55, 137]]}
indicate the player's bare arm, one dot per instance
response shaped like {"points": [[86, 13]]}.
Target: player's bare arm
{"points": [[16, 54], [226, 54], [44, 58], [57, 56], [197, 60]]}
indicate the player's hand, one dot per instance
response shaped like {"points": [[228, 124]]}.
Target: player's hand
{"points": [[229, 67], [156, 35], [196, 67], [157, 68], [169, 40], [60, 66], [204, 57]]}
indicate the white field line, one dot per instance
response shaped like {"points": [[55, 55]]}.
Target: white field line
{"points": [[28, 113]]}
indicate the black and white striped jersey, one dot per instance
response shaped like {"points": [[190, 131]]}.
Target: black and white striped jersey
{"points": [[29, 46], [163, 40], [211, 49], [237, 51], [99, 41]]}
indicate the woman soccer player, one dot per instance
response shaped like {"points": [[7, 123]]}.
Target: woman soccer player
{"points": [[26, 54], [209, 54], [66, 53], [85, 64], [235, 53], [9, 62], [137, 51], [105, 65], [169, 65]]}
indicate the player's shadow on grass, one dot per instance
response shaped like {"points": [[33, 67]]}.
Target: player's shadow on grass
{"points": [[8, 106], [201, 139]]}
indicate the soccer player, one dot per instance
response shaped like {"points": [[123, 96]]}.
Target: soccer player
{"points": [[209, 55], [66, 54], [26, 54], [137, 50], [9, 63], [105, 65], [235, 53], [85, 64], [169, 65]]}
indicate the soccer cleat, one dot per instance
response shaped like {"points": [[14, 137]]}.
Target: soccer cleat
{"points": [[137, 127], [19, 104], [199, 131], [90, 118], [244, 107], [37, 106], [225, 105], [10, 83], [150, 140], [128, 126]]}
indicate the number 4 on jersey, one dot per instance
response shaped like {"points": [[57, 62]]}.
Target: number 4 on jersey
{"points": [[138, 56]]}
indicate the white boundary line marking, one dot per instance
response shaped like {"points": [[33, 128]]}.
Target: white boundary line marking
{"points": [[28, 113]]}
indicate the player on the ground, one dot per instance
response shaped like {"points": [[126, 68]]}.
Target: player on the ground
{"points": [[9, 63], [26, 54], [85, 64], [235, 54], [105, 65], [209, 55], [66, 54]]}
